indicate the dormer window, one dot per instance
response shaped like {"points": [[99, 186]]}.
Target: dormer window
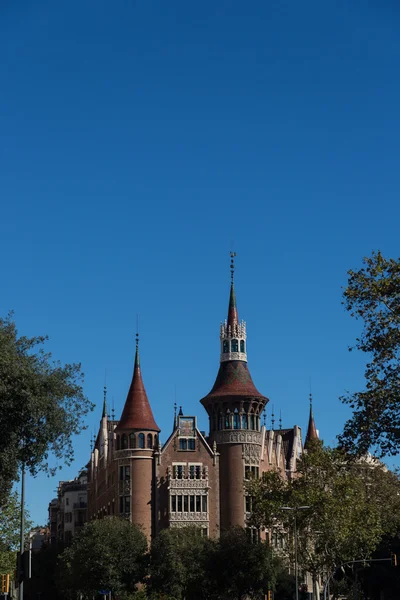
{"points": [[234, 346]]}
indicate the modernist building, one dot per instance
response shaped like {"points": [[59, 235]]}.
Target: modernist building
{"points": [[68, 512], [193, 478]]}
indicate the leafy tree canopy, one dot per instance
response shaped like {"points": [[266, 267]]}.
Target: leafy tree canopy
{"points": [[373, 295], [352, 505], [106, 554], [10, 515], [42, 405]]}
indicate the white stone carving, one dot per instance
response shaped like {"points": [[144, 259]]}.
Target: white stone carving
{"points": [[238, 437], [251, 454], [188, 517], [233, 356], [188, 484]]}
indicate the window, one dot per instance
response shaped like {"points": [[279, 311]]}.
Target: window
{"points": [[236, 421], [245, 422], [179, 503], [187, 444], [191, 503], [249, 504], [192, 444], [178, 472], [124, 473], [251, 472], [118, 442], [252, 422], [132, 440], [198, 503], [141, 440], [185, 503], [173, 503], [225, 346], [149, 440], [234, 346], [191, 472], [124, 442], [198, 471], [242, 346], [204, 532], [183, 444], [204, 503], [227, 421]]}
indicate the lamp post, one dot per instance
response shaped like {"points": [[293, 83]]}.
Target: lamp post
{"points": [[296, 570]]}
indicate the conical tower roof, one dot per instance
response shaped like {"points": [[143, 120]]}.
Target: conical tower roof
{"points": [[234, 378], [312, 433], [137, 413]]}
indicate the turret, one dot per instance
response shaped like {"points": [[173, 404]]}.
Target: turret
{"points": [[137, 436], [234, 406], [312, 433]]}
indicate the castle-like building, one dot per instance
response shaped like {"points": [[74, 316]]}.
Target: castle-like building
{"points": [[193, 479]]}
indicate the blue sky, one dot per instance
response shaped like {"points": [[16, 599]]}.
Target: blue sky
{"points": [[140, 141]]}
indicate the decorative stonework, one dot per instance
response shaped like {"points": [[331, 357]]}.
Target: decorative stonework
{"points": [[188, 517], [188, 484], [238, 437], [124, 487], [251, 454], [233, 356]]}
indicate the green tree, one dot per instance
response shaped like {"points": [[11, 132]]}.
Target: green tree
{"points": [[10, 515], [241, 568], [373, 295], [180, 564], [107, 554], [42, 406], [352, 505]]}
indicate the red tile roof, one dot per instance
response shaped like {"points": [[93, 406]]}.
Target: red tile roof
{"points": [[137, 413], [233, 317], [234, 379], [312, 430]]}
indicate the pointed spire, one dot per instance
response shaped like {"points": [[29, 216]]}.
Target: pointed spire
{"points": [[233, 318], [104, 413], [175, 420], [180, 414], [312, 433], [137, 413]]}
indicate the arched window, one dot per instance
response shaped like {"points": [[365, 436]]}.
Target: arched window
{"points": [[252, 424], [132, 440], [141, 440], [149, 440], [225, 346], [118, 442], [234, 346], [155, 441], [242, 346], [124, 442], [236, 420], [227, 420], [245, 421]]}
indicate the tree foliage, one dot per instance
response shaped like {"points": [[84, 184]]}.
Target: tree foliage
{"points": [[187, 566], [373, 295], [10, 515], [352, 505], [107, 554], [42, 405]]}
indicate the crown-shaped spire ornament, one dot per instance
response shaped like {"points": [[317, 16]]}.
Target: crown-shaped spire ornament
{"points": [[233, 331]]}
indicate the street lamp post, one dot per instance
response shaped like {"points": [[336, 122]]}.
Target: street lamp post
{"points": [[296, 570]]}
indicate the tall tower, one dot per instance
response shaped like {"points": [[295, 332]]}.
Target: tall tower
{"points": [[137, 437], [312, 433], [234, 407]]}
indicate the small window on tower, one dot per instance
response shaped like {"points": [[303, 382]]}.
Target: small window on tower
{"points": [[124, 441], [236, 421], [226, 346], [242, 346], [245, 422], [149, 440], [132, 440], [141, 440], [235, 346]]}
